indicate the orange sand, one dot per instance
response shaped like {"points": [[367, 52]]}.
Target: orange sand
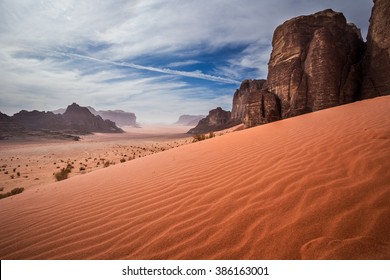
{"points": [[313, 187]]}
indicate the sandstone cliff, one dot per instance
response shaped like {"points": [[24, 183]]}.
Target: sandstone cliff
{"points": [[317, 61], [314, 63], [376, 63], [217, 119]]}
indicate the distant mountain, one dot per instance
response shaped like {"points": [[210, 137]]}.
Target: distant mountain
{"points": [[121, 118], [189, 120], [81, 119], [75, 120]]}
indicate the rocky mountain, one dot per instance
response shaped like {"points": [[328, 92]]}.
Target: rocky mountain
{"points": [[217, 119], [189, 120], [35, 120], [121, 118], [9, 127], [75, 120], [317, 61], [81, 119], [314, 63], [376, 62]]}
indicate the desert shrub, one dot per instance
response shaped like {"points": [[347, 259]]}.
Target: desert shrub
{"points": [[18, 174], [123, 160], [63, 173], [199, 137], [13, 192], [82, 168], [1, 189], [17, 191], [106, 164], [211, 134]]}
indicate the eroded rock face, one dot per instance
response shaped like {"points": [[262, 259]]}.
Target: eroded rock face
{"points": [[376, 63], [217, 119], [314, 63], [240, 98], [262, 107]]}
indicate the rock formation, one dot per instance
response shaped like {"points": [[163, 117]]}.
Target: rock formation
{"points": [[317, 61], [314, 63], [81, 119], [75, 120], [376, 63], [254, 105], [121, 118], [189, 120], [36, 120], [240, 98], [217, 119]]}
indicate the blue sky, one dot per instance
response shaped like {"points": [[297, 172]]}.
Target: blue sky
{"points": [[158, 59]]}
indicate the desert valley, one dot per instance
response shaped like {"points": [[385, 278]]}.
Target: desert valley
{"points": [[298, 169]]}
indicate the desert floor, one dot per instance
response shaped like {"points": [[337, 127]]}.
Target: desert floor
{"points": [[315, 186]]}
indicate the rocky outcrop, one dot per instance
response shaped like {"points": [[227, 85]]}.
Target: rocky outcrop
{"points": [[75, 119], [314, 63], [120, 117], [376, 63], [262, 107], [254, 105], [189, 120], [81, 119], [36, 120], [217, 119], [240, 98]]}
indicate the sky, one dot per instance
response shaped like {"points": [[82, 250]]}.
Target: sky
{"points": [[157, 58]]}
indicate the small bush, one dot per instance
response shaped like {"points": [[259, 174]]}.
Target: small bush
{"points": [[106, 164], [63, 173], [1, 189], [199, 137], [123, 160], [211, 134], [82, 168], [13, 192]]}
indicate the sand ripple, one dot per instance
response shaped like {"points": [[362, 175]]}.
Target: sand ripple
{"points": [[314, 187]]}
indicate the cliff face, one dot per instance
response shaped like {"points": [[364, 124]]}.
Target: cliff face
{"points": [[217, 119], [318, 61], [376, 63], [240, 99], [314, 63]]}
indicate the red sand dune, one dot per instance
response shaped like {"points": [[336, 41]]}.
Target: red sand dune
{"points": [[313, 187]]}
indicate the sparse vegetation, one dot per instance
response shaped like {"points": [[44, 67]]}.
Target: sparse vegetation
{"points": [[1, 189], [13, 192], [123, 160], [82, 168], [106, 164], [63, 173]]}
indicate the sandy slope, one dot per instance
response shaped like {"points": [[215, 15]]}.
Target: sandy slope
{"points": [[315, 186]]}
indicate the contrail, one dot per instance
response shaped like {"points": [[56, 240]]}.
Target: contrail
{"points": [[196, 74]]}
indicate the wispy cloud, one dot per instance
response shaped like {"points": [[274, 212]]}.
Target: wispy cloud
{"points": [[194, 74]]}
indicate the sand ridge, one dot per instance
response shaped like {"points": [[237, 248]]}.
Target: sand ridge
{"points": [[315, 186]]}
